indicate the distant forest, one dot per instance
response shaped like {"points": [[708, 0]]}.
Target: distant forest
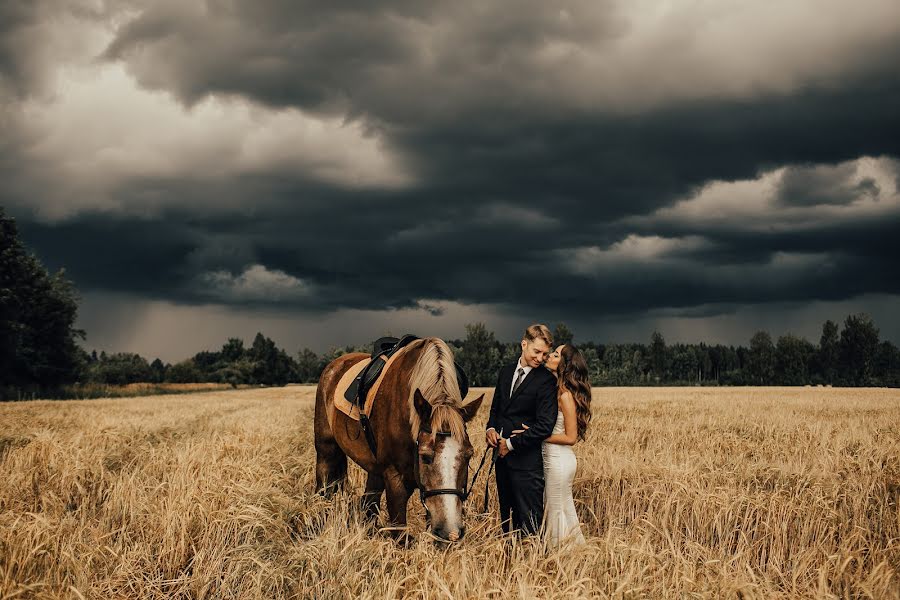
{"points": [[40, 349]]}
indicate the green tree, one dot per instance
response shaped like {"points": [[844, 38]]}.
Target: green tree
{"points": [[705, 357], [827, 356], [480, 356], [762, 359], [887, 365], [562, 335], [593, 363], [121, 368], [38, 339], [208, 363], [640, 365], [792, 359], [183, 372], [510, 353], [658, 359], [685, 363], [307, 366], [857, 347], [233, 350], [236, 373], [272, 365], [158, 371], [728, 369]]}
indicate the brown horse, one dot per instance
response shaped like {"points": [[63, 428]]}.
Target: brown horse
{"points": [[418, 420]]}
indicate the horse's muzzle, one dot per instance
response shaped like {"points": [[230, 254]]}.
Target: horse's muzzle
{"points": [[452, 535]]}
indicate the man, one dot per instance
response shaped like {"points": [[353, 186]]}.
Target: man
{"points": [[525, 395]]}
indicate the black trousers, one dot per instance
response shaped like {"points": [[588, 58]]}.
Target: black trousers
{"points": [[521, 497]]}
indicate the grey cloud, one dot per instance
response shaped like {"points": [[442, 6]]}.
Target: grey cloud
{"points": [[22, 59], [36, 35], [812, 185]]}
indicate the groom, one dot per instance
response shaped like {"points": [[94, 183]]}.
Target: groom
{"points": [[525, 395]]}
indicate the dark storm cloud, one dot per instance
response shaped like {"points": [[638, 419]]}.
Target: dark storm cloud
{"points": [[461, 94], [531, 184], [109, 254], [395, 60]]}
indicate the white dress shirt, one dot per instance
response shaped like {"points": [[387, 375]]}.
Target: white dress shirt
{"points": [[527, 370], [515, 376]]}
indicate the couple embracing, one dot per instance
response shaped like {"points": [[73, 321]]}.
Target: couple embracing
{"points": [[541, 407]]}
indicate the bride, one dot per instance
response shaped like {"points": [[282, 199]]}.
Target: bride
{"points": [[574, 399]]}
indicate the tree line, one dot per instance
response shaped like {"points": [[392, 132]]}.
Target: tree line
{"points": [[263, 363], [40, 349], [849, 356]]}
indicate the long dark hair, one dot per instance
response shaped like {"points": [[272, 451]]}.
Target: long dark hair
{"points": [[573, 377]]}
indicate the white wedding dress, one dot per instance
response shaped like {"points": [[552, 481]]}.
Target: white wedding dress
{"points": [[560, 519]]}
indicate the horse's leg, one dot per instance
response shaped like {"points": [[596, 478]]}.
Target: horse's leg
{"points": [[398, 493], [371, 499], [331, 461]]}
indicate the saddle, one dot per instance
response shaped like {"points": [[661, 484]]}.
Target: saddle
{"points": [[384, 348], [369, 374]]}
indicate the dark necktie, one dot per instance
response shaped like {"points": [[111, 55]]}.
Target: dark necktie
{"points": [[518, 381]]}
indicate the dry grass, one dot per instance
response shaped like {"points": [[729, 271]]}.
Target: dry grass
{"points": [[100, 390], [754, 493], [82, 391]]}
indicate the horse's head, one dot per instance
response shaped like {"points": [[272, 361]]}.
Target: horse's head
{"points": [[442, 463]]}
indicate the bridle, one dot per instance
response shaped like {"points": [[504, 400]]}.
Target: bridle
{"points": [[463, 493]]}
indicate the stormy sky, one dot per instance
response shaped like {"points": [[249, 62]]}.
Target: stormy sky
{"points": [[330, 172]]}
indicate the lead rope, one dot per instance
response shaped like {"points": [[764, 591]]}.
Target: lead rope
{"points": [[487, 487], [477, 472], [487, 483]]}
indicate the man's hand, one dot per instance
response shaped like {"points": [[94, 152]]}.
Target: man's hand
{"points": [[491, 437], [504, 449]]}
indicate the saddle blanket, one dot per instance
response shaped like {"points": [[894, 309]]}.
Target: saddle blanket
{"points": [[351, 409]]}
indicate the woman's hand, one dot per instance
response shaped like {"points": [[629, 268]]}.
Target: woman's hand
{"points": [[518, 431]]}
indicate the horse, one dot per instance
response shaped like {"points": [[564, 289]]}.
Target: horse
{"points": [[418, 420]]}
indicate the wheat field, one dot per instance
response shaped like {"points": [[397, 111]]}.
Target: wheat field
{"points": [[682, 492]]}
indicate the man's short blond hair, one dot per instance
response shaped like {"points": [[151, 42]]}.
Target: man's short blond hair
{"points": [[538, 331]]}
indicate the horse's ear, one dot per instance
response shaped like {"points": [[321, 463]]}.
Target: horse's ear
{"points": [[470, 409], [422, 406]]}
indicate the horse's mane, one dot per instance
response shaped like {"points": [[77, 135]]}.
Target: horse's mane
{"points": [[435, 376]]}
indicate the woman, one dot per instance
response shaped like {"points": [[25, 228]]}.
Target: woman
{"points": [[574, 398]]}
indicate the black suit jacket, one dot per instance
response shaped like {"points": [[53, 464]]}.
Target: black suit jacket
{"points": [[533, 404]]}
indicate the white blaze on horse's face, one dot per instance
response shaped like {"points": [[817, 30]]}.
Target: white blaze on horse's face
{"points": [[443, 466], [447, 461]]}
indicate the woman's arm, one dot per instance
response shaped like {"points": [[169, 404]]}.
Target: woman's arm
{"points": [[544, 418], [567, 405]]}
